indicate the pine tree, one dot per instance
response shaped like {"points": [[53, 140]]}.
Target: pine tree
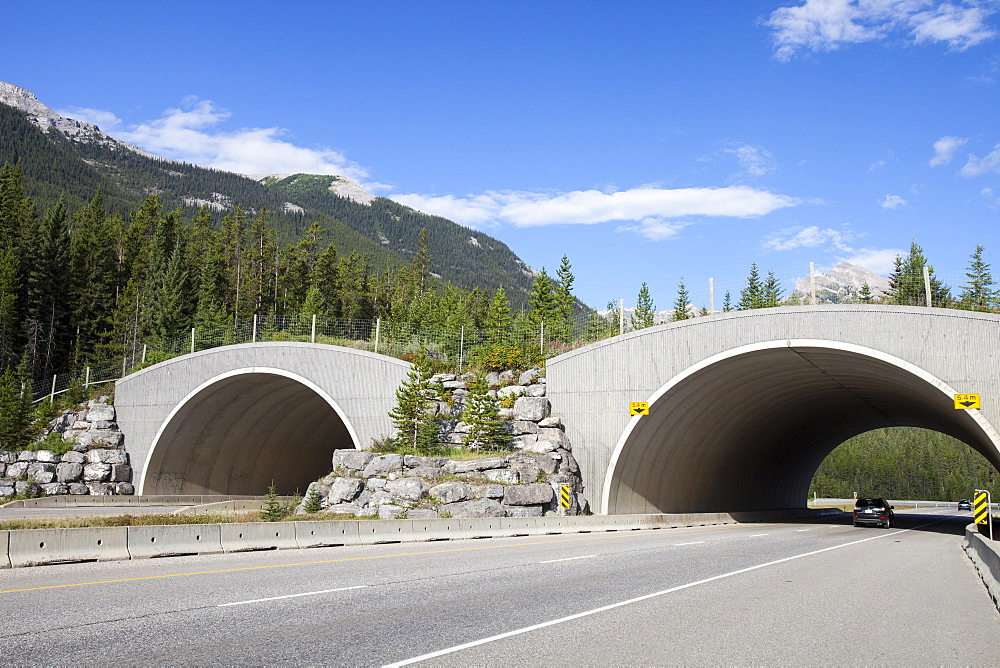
{"points": [[487, 430], [645, 311], [727, 302], [542, 301], [771, 291], [497, 322], [563, 323], [171, 313], [979, 294], [752, 296], [681, 304], [906, 283], [865, 295], [413, 415], [92, 277], [48, 308]]}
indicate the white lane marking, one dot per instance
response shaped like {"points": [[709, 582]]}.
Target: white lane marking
{"points": [[552, 561], [802, 529], [278, 598], [758, 535], [605, 608], [697, 542]]}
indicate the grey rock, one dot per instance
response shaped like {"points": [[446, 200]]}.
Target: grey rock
{"points": [[351, 460], [362, 499], [493, 379], [505, 476], [453, 385], [536, 391], [413, 461], [124, 488], [380, 498], [519, 427], [526, 465], [557, 436], [54, 488], [568, 464], [41, 473], [63, 422], [100, 488], [421, 514], [507, 377], [531, 408], [487, 491], [548, 463], [455, 438], [17, 469], [73, 457], [528, 495], [427, 472], [120, 473], [3, 470], [528, 377], [475, 508], [78, 488], [440, 378], [472, 465], [344, 490], [512, 391], [375, 484], [531, 443], [345, 509], [524, 511], [7, 457], [95, 439], [106, 456], [551, 422], [47, 456], [451, 492], [96, 472], [27, 489], [383, 465], [6, 488], [507, 413], [105, 424], [388, 511], [461, 428], [96, 411], [26, 456], [409, 489]]}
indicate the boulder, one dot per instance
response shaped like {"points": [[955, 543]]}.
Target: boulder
{"points": [[106, 456], [524, 511], [427, 472], [451, 492], [26, 456], [7, 457], [97, 411], [73, 457], [504, 476], [345, 509], [17, 470], [551, 422], [520, 427], [472, 465], [6, 488], [78, 488], [28, 489], [41, 473], [100, 488], [388, 511], [475, 508], [531, 408], [408, 489], [351, 460], [383, 465], [53, 488], [413, 461], [344, 490], [512, 391], [47, 456], [96, 473], [120, 473], [536, 391], [421, 514], [526, 465], [492, 379], [124, 488], [528, 377], [554, 435], [487, 491], [379, 498], [528, 495]]}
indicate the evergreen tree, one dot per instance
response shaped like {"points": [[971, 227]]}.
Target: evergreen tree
{"points": [[413, 415], [92, 278], [865, 295], [645, 310], [487, 430], [15, 409], [543, 303], [727, 302], [681, 304], [497, 322], [563, 323], [771, 291], [906, 283], [752, 296], [979, 294], [48, 308], [171, 313]]}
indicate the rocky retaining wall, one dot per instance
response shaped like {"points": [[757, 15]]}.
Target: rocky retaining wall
{"points": [[96, 463]]}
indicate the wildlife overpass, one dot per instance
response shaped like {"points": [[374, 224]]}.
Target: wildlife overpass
{"points": [[742, 406]]}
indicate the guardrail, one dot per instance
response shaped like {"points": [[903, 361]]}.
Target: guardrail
{"points": [[33, 547], [985, 555]]}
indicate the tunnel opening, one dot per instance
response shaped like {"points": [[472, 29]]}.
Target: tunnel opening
{"points": [[243, 433], [747, 430], [903, 463]]}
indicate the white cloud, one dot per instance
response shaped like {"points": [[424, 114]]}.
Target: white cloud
{"points": [[944, 150], [892, 201], [589, 207], [190, 134], [979, 166], [825, 25], [755, 160], [807, 237], [878, 260], [655, 229]]}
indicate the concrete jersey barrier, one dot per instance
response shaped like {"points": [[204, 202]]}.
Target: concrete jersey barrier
{"points": [[985, 555], [30, 547]]}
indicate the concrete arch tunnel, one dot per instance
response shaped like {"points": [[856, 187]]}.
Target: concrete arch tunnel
{"points": [[742, 410], [233, 420]]}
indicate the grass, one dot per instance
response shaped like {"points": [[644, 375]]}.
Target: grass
{"points": [[167, 519]]}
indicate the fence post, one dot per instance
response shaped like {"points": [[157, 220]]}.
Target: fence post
{"points": [[461, 349], [378, 330], [541, 339], [812, 282], [86, 382], [143, 353], [52, 395], [313, 337], [253, 335], [927, 284], [192, 339], [711, 296], [621, 317]]}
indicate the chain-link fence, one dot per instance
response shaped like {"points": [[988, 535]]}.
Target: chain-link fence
{"points": [[526, 342]]}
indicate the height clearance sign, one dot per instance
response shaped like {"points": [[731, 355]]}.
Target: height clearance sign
{"points": [[966, 401]]}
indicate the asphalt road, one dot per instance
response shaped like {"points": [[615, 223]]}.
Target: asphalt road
{"points": [[816, 593]]}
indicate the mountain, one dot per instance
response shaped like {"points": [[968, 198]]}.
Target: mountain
{"points": [[842, 283], [65, 157]]}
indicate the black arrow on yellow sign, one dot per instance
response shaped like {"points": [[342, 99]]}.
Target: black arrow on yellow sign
{"points": [[967, 403], [638, 408]]}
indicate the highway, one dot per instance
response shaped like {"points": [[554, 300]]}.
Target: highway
{"points": [[818, 592]]}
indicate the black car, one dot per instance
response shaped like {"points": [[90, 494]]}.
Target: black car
{"points": [[965, 504], [873, 511]]}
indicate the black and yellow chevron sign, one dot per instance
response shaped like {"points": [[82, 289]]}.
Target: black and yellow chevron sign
{"points": [[980, 508], [564, 498]]}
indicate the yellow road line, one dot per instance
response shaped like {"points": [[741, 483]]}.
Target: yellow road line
{"points": [[619, 534]]}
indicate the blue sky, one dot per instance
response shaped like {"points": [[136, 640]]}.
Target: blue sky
{"points": [[648, 141]]}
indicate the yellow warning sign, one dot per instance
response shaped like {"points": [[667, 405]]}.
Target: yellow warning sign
{"points": [[981, 507], [964, 401], [564, 498], [638, 408]]}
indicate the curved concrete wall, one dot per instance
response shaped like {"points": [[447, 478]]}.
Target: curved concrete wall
{"points": [[745, 405], [231, 420]]}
